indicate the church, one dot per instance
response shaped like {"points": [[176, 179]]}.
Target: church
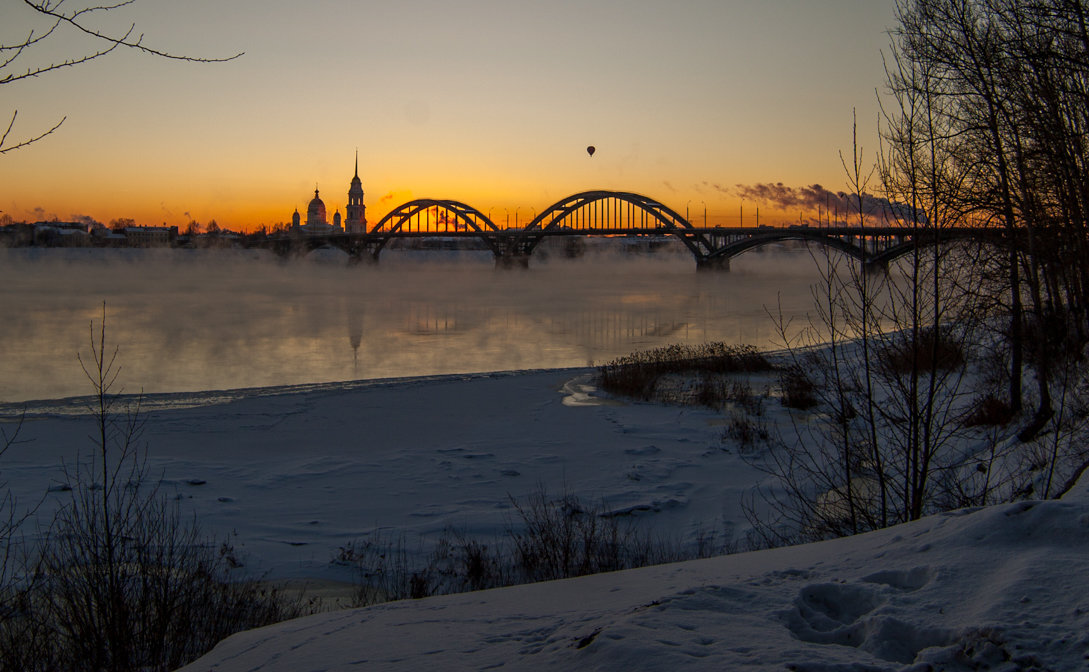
{"points": [[317, 223]]}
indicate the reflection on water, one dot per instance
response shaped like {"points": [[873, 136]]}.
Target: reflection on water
{"points": [[202, 320]]}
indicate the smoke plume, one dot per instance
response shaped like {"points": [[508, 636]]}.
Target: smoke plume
{"points": [[814, 196]]}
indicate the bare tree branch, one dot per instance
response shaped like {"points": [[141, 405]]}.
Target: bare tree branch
{"points": [[34, 72], [77, 19], [24, 143], [22, 46], [52, 10]]}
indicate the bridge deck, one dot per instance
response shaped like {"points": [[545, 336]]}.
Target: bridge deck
{"points": [[777, 232], [608, 213]]}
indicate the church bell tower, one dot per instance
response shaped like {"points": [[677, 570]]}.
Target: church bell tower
{"points": [[356, 213]]}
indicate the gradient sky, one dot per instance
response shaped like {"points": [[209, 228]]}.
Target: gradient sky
{"points": [[490, 102]]}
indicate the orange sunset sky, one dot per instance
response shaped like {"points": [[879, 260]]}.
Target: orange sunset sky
{"points": [[490, 102]]}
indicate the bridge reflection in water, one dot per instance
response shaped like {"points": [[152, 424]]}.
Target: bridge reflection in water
{"points": [[569, 315], [612, 214], [232, 319]]}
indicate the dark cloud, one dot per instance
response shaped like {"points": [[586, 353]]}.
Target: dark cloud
{"points": [[815, 196]]}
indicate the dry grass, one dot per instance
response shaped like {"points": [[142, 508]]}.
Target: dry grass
{"points": [[642, 375], [931, 351], [798, 389], [551, 538]]}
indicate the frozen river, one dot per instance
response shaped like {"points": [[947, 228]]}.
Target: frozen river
{"points": [[187, 320]]}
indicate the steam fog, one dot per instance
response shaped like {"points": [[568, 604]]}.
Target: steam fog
{"points": [[188, 320]]}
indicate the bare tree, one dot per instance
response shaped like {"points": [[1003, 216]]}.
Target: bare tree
{"points": [[121, 581], [885, 356], [19, 640], [989, 122], [57, 22], [1012, 75], [1012, 80]]}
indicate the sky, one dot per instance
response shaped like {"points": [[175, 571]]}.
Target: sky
{"points": [[489, 102]]}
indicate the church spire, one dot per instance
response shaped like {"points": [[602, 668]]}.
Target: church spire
{"points": [[355, 215]]}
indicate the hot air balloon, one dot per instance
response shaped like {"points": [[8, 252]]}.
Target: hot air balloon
{"points": [[590, 150]]}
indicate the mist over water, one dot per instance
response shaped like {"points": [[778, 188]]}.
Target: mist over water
{"points": [[190, 320]]}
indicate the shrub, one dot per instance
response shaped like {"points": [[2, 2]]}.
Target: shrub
{"points": [[383, 569], [742, 395], [931, 351], [746, 431], [710, 391], [133, 586], [798, 389], [552, 538], [561, 538], [637, 375], [989, 411]]}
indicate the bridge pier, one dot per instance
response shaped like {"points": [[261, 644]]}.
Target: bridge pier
{"points": [[721, 264], [365, 257], [512, 261]]}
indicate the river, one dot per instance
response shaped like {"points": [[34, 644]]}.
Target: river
{"points": [[189, 320]]}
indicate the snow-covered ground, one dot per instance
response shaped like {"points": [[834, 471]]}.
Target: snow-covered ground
{"points": [[1001, 588], [292, 474]]}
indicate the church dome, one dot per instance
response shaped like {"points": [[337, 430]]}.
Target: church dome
{"points": [[315, 212]]}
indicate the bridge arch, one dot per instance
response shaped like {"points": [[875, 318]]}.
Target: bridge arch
{"points": [[607, 213], [724, 254], [874, 248], [930, 238], [433, 217]]}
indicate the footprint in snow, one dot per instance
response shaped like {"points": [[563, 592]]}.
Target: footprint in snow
{"points": [[852, 615]]}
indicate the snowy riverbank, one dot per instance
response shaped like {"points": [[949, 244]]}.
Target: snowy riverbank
{"points": [[292, 474], [1000, 588]]}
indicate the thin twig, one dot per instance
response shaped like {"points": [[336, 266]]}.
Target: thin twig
{"points": [[24, 143]]}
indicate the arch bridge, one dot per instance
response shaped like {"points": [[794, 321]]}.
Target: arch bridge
{"points": [[441, 222]]}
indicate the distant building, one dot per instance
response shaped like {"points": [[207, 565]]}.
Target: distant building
{"points": [[105, 237], [317, 223], [61, 234], [150, 236], [16, 235]]}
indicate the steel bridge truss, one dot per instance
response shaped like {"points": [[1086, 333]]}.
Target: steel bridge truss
{"points": [[613, 213]]}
